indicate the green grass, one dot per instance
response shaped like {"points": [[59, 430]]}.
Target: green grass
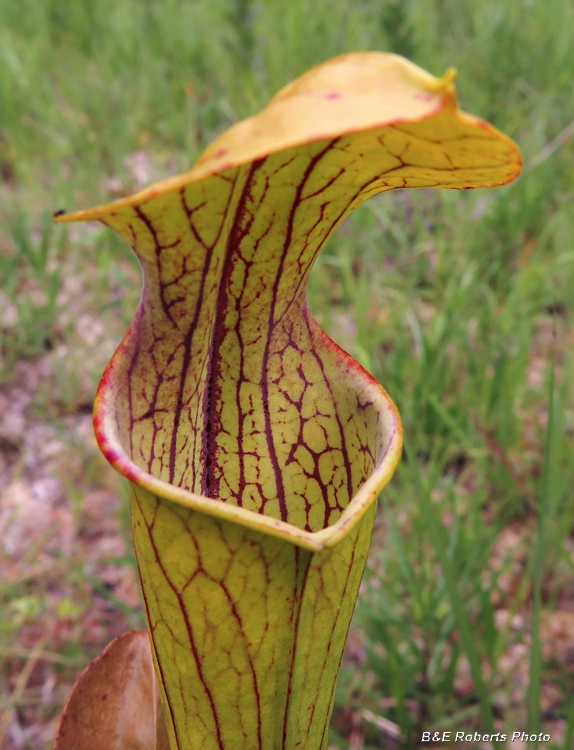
{"points": [[461, 304]]}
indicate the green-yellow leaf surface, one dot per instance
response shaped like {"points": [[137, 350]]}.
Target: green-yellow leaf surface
{"points": [[254, 446], [115, 704]]}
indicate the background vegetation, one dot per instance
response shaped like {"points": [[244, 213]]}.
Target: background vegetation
{"points": [[461, 304]]}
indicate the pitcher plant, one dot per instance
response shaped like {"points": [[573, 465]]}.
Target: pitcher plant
{"points": [[255, 448]]}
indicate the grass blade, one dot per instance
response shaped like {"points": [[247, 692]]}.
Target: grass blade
{"points": [[439, 542]]}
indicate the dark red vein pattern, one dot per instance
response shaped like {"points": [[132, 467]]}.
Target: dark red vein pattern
{"points": [[233, 391], [249, 630]]}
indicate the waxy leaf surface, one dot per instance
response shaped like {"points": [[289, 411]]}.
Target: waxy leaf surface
{"points": [[255, 446], [115, 704]]}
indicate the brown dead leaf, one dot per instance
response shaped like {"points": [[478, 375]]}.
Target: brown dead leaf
{"points": [[115, 704]]}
